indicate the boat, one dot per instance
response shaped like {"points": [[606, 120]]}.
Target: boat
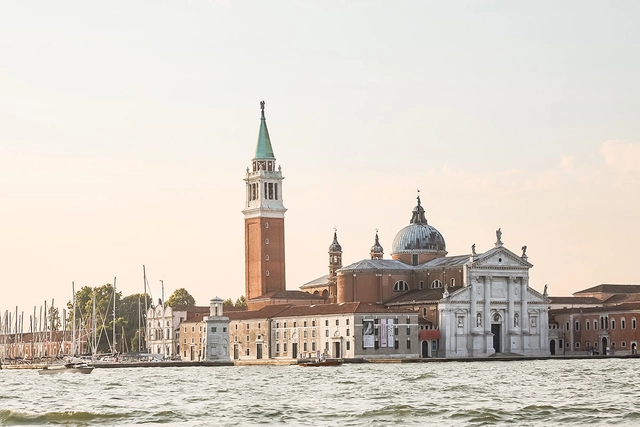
{"points": [[72, 367], [321, 362]]}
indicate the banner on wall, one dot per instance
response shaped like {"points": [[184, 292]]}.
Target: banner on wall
{"points": [[383, 335], [390, 335], [367, 333]]}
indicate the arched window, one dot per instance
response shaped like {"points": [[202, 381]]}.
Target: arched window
{"points": [[401, 285], [436, 284]]}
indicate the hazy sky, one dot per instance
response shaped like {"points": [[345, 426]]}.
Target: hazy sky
{"points": [[126, 128]]}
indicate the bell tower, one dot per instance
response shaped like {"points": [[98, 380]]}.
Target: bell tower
{"points": [[335, 263], [264, 220]]}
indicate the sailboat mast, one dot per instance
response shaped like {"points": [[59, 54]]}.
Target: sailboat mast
{"points": [[164, 345], [73, 330], [114, 315]]}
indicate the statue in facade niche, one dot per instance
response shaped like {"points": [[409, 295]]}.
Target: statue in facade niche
{"points": [[479, 320], [516, 320]]}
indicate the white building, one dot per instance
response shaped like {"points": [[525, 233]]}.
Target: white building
{"points": [[217, 333], [496, 311]]}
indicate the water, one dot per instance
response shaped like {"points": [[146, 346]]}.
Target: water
{"points": [[519, 393]]}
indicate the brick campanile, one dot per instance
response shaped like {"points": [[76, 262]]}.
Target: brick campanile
{"points": [[264, 220]]}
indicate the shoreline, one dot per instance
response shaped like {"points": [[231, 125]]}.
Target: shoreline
{"points": [[287, 362]]}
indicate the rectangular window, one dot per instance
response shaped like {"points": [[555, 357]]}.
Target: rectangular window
{"points": [[408, 344], [304, 347], [185, 329], [348, 345], [235, 339], [236, 325], [313, 333], [348, 332], [567, 326], [295, 324], [397, 345], [376, 345], [185, 340], [421, 284], [224, 329], [304, 323], [247, 338], [613, 323], [313, 346], [247, 326], [623, 344], [326, 322], [193, 341], [347, 321], [424, 311], [414, 259], [577, 345], [285, 324], [193, 329], [623, 324], [577, 325], [633, 323], [275, 186], [277, 347], [304, 334], [313, 323], [284, 347], [408, 330], [258, 325], [214, 329], [326, 333], [588, 324], [326, 346], [277, 335]]}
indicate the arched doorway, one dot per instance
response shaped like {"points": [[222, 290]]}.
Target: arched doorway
{"points": [[425, 348], [604, 346], [633, 348], [496, 330], [552, 347]]}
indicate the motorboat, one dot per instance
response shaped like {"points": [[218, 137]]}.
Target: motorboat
{"points": [[321, 362], [73, 367]]}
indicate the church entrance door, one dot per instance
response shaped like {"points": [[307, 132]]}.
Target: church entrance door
{"points": [[258, 351], [425, 348], [604, 350], [496, 331], [336, 346], [552, 347], [294, 350], [235, 352]]}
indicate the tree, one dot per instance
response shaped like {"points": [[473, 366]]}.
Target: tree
{"points": [[241, 301], [54, 319], [131, 315], [181, 298], [227, 303], [104, 322]]}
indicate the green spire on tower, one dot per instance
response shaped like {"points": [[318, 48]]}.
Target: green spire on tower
{"points": [[264, 149]]}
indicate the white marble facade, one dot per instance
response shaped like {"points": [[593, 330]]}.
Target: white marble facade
{"points": [[496, 311]]}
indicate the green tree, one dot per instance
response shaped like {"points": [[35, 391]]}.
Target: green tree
{"points": [[53, 316], [131, 316], [181, 298], [227, 303], [84, 316], [241, 301]]}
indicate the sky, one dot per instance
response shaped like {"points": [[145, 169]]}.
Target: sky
{"points": [[126, 128]]}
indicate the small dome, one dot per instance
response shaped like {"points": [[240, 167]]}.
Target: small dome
{"points": [[377, 248], [335, 246], [418, 236]]}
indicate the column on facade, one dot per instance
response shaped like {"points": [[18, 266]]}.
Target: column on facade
{"points": [[474, 308], [453, 327], [487, 305], [510, 311], [524, 283]]}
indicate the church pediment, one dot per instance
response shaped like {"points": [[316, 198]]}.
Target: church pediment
{"points": [[501, 257], [460, 295]]}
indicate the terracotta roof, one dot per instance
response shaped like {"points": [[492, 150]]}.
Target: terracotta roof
{"points": [[419, 295], [376, 264], [612, 289], [575, 300], [610, 309], [447, 261], [621, 298], [265, 312], [288, 295], [341, 308]]}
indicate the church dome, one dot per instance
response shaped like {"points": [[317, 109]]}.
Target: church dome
{"points": [[418, 236]]}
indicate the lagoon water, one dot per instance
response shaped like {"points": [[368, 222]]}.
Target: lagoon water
{"points": [[543, 392]]}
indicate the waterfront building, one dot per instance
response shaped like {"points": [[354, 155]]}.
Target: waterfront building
{"points": [[216, 333], [345, 330], [163, 327], [603, 320], [37, 345], [192, 336]]}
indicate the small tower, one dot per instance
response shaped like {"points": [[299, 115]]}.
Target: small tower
{"points": [[264, 220], [217, 345], [377, 252], [335, 263]]}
